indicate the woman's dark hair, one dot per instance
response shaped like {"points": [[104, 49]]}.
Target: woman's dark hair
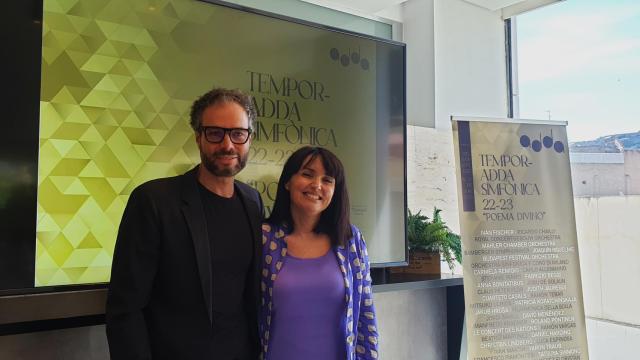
{"points": [[334, 220]]}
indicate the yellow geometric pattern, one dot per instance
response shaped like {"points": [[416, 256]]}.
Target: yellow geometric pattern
{"points": [[118, 80], [113, 114]]}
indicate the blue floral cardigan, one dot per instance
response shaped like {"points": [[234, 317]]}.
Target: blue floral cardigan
{"points": [[361, 340]]}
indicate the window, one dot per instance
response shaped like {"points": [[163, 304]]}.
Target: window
{"points": [[579, 61]]}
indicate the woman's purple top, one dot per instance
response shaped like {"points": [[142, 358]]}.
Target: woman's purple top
{"points": [[308, 307]]}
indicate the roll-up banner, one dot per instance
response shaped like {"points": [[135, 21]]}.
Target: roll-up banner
{"points": [[522, 287]]}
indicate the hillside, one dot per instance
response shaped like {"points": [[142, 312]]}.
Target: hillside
{"points": [[608, 144]]}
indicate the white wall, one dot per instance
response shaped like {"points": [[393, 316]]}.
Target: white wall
{"points": [[418, 34], [632, 172], [469, 61], [597, 179], [469, 79], [412, 324], [606, 174], [455, 61], [608, 232], [609, 248]]}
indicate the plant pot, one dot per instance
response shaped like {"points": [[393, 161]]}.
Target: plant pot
{"points": [[420, 262]]}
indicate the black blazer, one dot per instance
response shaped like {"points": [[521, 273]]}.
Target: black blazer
{"points": [[159, 301]]}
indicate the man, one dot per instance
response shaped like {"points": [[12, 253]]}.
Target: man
{"points": [[184, 281]]}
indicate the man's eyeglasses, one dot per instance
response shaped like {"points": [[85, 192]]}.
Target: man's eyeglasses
{"points": [[215, 134]]}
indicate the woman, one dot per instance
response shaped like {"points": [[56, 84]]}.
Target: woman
{"points": [[316, 288]]}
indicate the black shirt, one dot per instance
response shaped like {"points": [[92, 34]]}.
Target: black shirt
{"points": [[231, 260]]}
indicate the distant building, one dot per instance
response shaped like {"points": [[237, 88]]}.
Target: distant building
{"points": [[605, 173]]}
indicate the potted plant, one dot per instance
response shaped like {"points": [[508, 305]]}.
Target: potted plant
{"points": [[429, 240]]}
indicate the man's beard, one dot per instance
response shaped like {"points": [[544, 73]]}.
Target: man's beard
{"points": [[209, 162]]}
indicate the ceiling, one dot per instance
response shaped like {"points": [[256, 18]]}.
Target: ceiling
{"points": [[375, 6], [494, 5], [359, 6]]}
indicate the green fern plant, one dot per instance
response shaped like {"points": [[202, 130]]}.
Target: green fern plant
{"points": [[433, 236]]}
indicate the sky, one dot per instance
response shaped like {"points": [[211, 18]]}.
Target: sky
{"points": [[579, 61]]}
